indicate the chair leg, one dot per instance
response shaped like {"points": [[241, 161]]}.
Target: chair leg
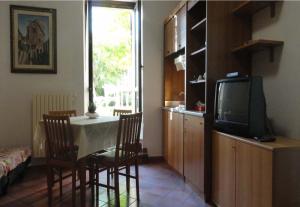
{"points": [[111, 170], [117, 192], [127, 178], [50, 184], [137, 180], [73, 187], [108, 179], [97, 182], [92, 182], [60, 183]]}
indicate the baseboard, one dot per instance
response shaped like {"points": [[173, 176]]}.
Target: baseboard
{"points": [[156, 159]]}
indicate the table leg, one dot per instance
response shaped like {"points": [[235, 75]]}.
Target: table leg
{"points": [[82, 176]]}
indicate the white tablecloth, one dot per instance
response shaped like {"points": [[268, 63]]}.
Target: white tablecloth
{"points": [[90, 135]]}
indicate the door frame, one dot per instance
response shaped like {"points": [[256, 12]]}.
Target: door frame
{"points": [[134, 5]]}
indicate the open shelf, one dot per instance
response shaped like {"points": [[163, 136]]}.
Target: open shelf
{"points": [[197, 81], [199, 26], [198, 52], [258, 45], [249, 8]]}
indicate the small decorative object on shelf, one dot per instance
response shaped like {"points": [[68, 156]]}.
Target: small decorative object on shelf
{"points": [[200, 106], [92, 111]]}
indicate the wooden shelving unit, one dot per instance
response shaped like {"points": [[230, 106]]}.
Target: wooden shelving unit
{"points": [[199, 26], [193, 82], [198, 52], [253, 46], [249, 8], [257, 45], [209, 44], [196, 48]]}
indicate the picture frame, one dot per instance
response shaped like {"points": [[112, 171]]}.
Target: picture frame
{"points": [[33, 40]]}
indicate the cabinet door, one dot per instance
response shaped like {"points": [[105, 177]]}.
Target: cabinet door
{"points": [[194, 151], [174, 141], [165, 116], [170, 37], [223, 170], [178, 142], [253, 176], [181, 28]]}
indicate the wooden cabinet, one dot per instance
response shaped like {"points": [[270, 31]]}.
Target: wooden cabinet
{"points": [[181, 28], [194, 151], [223, 171], [165, 134], [175, 31], [170, 41], [253, 176], [246, 173], [173, 140]]}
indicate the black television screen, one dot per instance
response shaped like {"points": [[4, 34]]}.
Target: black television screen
{"points": [[233, 101], [240, 106]]}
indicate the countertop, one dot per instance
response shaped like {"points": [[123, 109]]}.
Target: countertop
{"points": [[183, 111]]}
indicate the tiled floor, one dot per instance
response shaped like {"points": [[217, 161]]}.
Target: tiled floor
{"points": [[159, 187]]}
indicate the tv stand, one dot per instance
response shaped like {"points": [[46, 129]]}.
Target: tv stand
{"points": [[250, 173]]}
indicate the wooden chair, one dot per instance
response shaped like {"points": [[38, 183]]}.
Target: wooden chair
{"points": [[63, 113], [124, 155], [61, 151], [118, 112], [58, 171]]}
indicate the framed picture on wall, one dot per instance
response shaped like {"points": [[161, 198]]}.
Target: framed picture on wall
{"points": [[33, 39]]}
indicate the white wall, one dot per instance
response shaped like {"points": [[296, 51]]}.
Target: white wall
{"points": [[154, 13], [16, 90], [282, 77]]}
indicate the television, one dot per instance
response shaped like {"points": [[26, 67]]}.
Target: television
{"points": [[240, 106]]}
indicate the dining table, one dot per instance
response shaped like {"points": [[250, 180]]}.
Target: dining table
{"points": [[90, 135]]}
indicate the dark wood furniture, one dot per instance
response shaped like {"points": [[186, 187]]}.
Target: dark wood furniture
{"points": [[124, 155], [245, 10], [252, 46], [63, 113], [212, 31], [118, 112], [60, 150], [248, 8], [251, 173]]}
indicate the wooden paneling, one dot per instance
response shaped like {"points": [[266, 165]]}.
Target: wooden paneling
{"points": [[223, 171], [253, 176], [194, 151]]}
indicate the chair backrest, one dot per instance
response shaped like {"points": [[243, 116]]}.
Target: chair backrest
{"points": [[63, 113], [128, 138], [59, 138], [118, 112]]}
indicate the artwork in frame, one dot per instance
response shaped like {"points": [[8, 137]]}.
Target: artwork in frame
{"points": [[33, 40]]}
